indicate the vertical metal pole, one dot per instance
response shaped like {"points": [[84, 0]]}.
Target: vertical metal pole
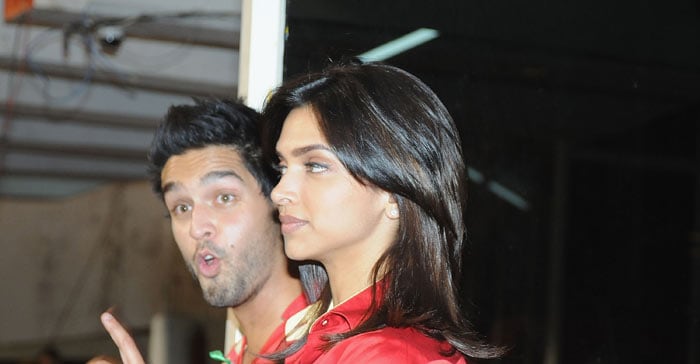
{"points": [[557, 250], [261, 51], [260, 65], [694, 251]]}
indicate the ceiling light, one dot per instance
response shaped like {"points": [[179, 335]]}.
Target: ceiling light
{"points": [[399, 45]]}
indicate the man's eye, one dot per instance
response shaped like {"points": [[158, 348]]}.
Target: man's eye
{"points": [[181, 209], [226, 198]]}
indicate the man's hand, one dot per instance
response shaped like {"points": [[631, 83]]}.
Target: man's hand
{"points": [[103, 359], [127, 347]]}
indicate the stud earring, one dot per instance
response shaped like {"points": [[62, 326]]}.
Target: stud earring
{"points": [[394, 213]]}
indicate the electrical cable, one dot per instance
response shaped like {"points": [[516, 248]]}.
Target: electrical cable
{"points": [[170, 57], [45, 38]]}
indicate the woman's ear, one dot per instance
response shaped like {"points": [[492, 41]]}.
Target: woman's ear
{"points": [[392, 208]]}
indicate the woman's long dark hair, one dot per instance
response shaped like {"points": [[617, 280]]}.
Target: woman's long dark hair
{"points": [[390, 130]]}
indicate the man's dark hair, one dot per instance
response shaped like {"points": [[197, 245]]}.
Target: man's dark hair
{"points": [[209, 122]]}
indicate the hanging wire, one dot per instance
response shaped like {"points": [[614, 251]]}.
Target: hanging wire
{"points": [[88, 27], [86, 31], [176, 54], [48, 37]]}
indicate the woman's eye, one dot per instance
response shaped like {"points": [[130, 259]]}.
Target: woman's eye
{"points": [[316, 167], [280, 168]]}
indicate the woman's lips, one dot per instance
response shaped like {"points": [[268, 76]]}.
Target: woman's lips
{"points": [[291, 224]]}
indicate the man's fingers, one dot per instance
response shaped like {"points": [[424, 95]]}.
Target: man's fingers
{"points": [[127, 347], [103, 359]]}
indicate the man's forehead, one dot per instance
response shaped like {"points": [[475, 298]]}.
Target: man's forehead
{"points": [[204, 165]]}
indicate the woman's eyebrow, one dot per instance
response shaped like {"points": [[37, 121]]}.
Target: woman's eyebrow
{"points": [[296, 152]]}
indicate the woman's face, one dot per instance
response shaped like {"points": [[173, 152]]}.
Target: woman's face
{"points": [[326, 214]]}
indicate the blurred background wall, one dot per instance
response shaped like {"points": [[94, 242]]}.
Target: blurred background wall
{"points": [[66, 261]]}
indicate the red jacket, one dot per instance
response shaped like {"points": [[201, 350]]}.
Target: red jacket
{"points": [[386, 345]]}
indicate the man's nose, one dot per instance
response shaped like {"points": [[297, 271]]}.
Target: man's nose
{"points": [[203, 224]]}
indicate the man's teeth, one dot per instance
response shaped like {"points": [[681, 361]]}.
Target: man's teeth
{"points": [[208, 258]]}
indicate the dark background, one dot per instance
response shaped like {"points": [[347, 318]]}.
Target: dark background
{"points": [[588, 111]]}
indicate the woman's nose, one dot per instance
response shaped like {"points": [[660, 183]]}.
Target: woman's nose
{"points": [[283, 194]]}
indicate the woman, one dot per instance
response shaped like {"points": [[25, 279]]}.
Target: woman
{"points": [[372, 187]]}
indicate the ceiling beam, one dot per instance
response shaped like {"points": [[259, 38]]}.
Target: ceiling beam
{"points": [[72, 174], [133, 81], [44, 187], [128, 155], [57, 164], [91, 118], [155, 29]]}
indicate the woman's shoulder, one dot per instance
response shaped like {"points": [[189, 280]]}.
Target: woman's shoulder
{"points": [[400, 345]]}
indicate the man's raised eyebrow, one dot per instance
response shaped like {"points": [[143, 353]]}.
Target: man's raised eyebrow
{"points": [[169, 186], [209, 177], [214, 175], [305, 149]]}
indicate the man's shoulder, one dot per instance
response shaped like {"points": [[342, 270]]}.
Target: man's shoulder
{"points": [[295, 326]]}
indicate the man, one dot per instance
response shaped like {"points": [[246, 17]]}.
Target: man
{"points": [[206, 164]]}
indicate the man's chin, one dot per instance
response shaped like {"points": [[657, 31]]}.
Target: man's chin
{"points": [[216, 294], [214, 298]]}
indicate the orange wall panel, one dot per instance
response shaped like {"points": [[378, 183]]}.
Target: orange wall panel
{"points": [[15, 8]]}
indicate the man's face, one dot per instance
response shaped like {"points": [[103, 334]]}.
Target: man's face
{"points": [[222, 223]]}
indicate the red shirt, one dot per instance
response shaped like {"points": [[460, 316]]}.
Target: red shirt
{"points": [[276, 341], [386, 345]]}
